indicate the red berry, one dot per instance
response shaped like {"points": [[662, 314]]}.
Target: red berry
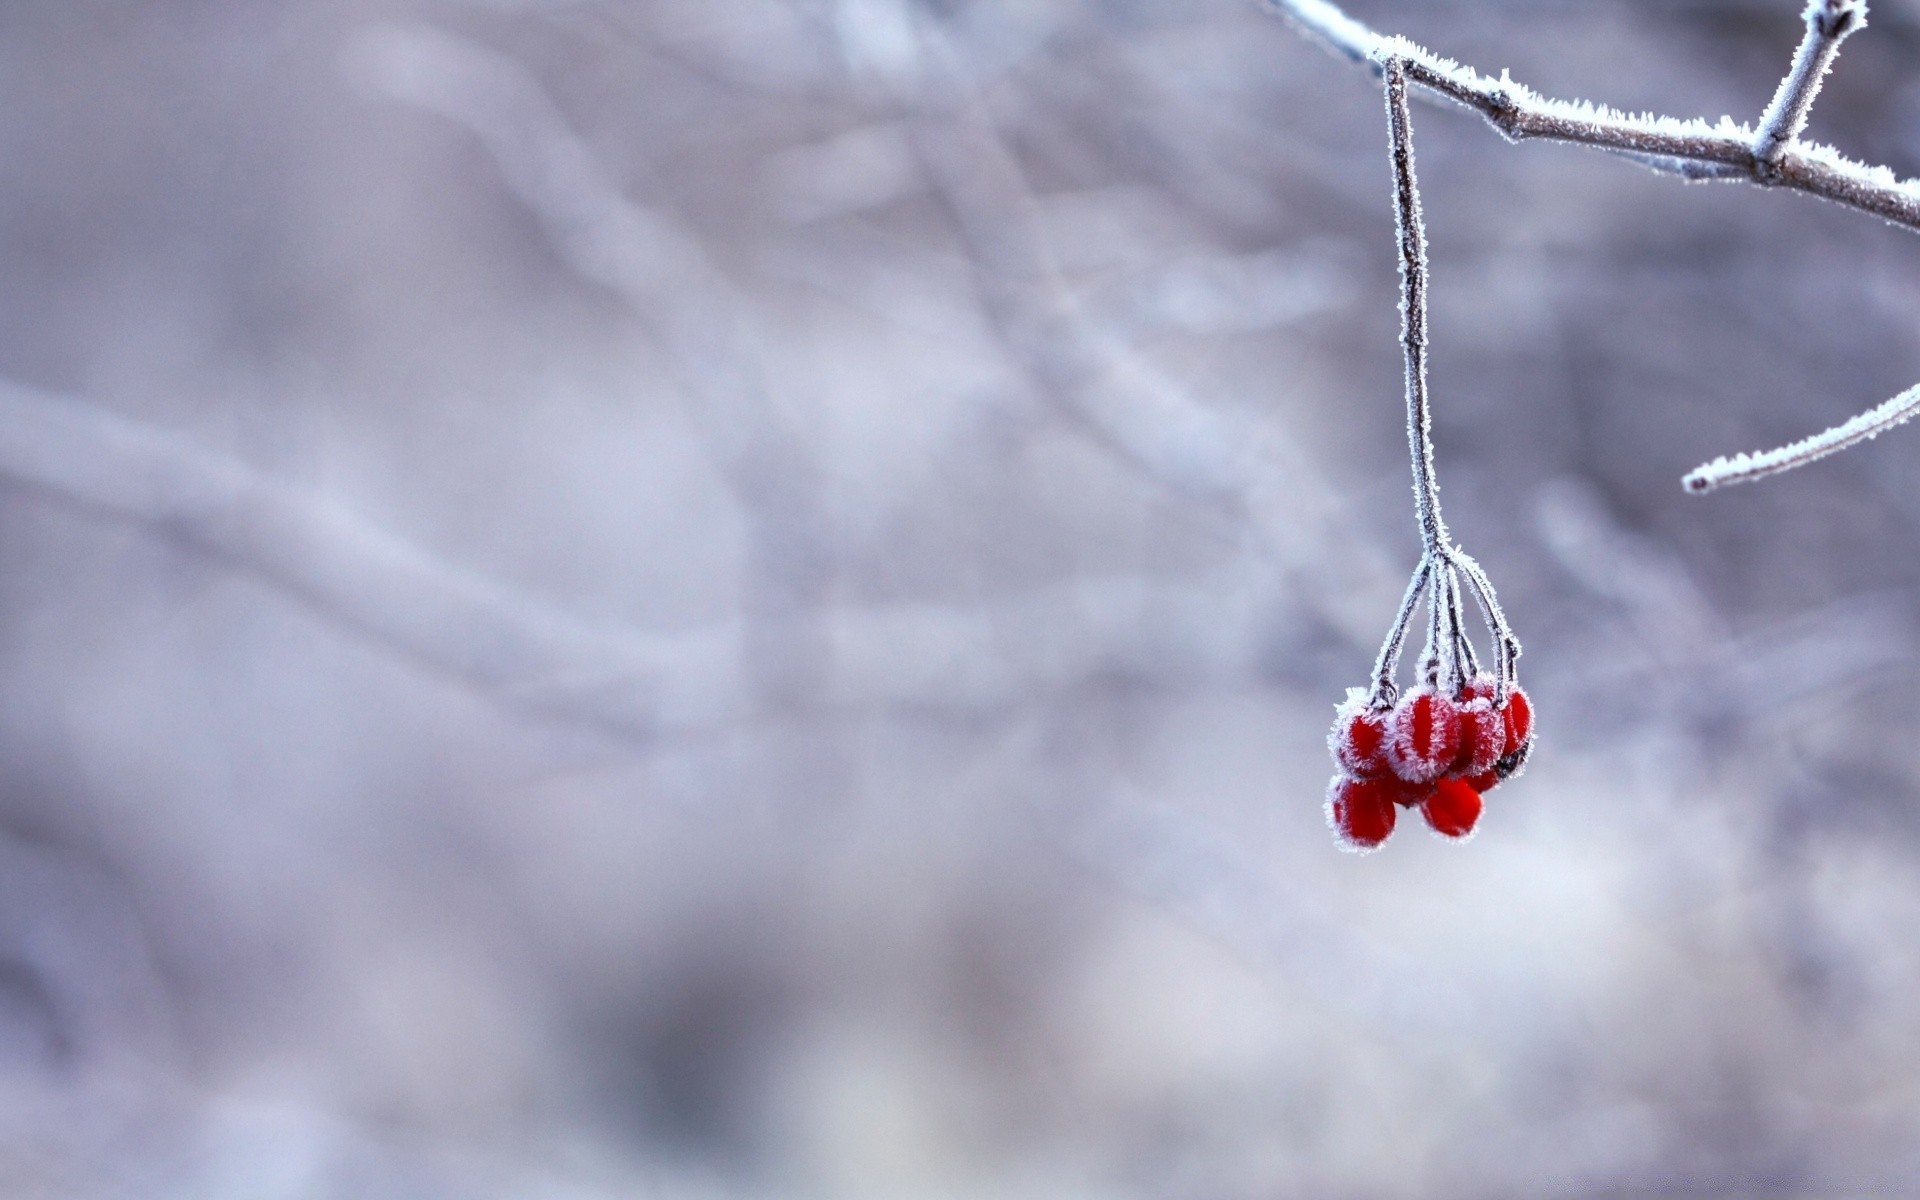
{"points": [[1519, 715], [1518, 743], [1361, 812], [1483, 733], [1484, 783], [1358, 739], [1453, 808], [1407, 795], [1423, 735]]}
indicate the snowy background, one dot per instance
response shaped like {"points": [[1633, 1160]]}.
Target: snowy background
{"points": [[741, 598]]}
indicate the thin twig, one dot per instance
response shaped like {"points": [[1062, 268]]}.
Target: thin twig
{"points": [[1744, 468]]}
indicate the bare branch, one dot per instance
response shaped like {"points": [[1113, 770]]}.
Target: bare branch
{"points": [[1141, 415], [668, 280], [431, 613], [637, 686]]}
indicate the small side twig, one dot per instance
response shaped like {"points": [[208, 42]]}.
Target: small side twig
{"points": [[1745, 468], [1828, 24]]}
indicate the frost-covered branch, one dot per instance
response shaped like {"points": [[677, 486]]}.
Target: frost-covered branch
{"points": [[1691, 147], [1744, 468], [1771, 155]]}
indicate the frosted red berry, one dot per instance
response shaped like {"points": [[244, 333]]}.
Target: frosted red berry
{"points": [[1361, 811], [1519, 714], [1423, 735], [1358, 739], [1453, 809], [1483, 737], [1518, 743]]}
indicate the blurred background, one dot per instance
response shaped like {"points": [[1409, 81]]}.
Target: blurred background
{"points": [[741, 598]]}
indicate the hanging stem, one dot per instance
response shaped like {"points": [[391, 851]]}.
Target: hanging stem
{"points": [[1413, 310], [1446, 575]]}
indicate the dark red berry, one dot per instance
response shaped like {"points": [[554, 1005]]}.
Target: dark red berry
{"points": [[1518, 743], [1519, 719], [1453, 808], [1358, 738], [1407, 795], [1361, 812], [1423, 735], [1483, 735]]}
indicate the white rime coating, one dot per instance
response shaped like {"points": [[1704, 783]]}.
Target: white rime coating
{"points": [[1340, 837], [1346, 754], [1413, 759], [1489, 728], [1744, 468], [1770, 154]]}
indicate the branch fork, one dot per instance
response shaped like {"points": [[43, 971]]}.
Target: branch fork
{"points": [[1770, 155]]}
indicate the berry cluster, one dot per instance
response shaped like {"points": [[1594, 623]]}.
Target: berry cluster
{"points": [[1432, 750]]}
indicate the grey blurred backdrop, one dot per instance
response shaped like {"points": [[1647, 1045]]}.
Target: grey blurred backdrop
{"points": [[740, 598]]}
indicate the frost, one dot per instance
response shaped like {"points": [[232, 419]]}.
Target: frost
{"points": [[1743, 468], [1690, 147]]}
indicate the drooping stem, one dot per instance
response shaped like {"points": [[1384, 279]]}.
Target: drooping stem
{"points": [[1413, 311]]}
